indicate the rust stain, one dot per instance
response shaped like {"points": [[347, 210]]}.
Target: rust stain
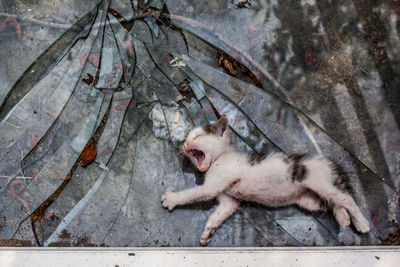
{"points": [[14, 23], [89, 79], [88, 153]]}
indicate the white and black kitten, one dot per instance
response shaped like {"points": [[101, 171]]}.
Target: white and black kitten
{"points": [[276, 180]]}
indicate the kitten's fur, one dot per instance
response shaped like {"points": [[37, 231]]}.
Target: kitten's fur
{"points": [[276, 180]]}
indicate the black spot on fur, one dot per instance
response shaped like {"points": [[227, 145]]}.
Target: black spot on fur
{"points": [[325, 205], [210, 129], [255, 158], [342, 180], [299, 171], [296, 157], [217, 128]]}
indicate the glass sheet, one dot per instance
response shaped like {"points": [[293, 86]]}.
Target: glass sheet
{"points": [[127, 80]]}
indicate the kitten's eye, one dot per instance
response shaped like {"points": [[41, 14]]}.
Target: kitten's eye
{"points": [[196, 136]]}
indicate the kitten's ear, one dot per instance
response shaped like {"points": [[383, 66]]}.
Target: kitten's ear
{"points": [[218, 128], [221, 125]]}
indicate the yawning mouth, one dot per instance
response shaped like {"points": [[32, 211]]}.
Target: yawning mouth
{"points": [[198, 156]]}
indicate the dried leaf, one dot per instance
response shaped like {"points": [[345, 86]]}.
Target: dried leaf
{"points": [[220, 58], [229, 63], [228, 66], [88, 153]]}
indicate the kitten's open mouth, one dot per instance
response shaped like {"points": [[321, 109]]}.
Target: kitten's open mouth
{"points": [[198, 156]]}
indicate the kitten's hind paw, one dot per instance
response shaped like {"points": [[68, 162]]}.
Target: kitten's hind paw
{"points": [[168, 200], [204, 240], [361, 224], [206, 236]]}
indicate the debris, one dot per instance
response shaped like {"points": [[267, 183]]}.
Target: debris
{"points": [[88, 153], [64, 234], [89, 79], [115, 14], [311, 62], [12, 125], [229, 64], [177, 117], [254, 78], [185, 90], [40, 212], [363, 70], [17, 187], [83, 241], [50, 112], [392, 239], [11, 144], [12, 242], [35, 140], [242, 4], [176, 62], [378, 258]]}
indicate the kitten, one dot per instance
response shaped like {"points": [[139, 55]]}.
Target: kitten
{"points": [[276, 180]]}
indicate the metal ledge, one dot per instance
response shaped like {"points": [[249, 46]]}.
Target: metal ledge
{"points": [[279, 256]]}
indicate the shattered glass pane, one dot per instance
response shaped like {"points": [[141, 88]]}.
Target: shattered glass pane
{"points": [[96, 98]]}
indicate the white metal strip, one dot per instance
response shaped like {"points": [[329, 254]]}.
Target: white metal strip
{"points": [[229, 257]]}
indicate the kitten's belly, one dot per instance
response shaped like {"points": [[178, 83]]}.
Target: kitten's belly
{"points": [[270, 191]]}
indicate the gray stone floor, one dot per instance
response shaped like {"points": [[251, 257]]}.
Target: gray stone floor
{"points": [[319, 77]]}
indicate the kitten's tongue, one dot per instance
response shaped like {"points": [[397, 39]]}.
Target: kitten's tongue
{"points": [[200, 157]]}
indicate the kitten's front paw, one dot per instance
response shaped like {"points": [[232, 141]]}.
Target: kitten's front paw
{"points": [[168, 200]]}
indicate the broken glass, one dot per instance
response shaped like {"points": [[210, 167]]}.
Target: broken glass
{"points": [[122, 81]]}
